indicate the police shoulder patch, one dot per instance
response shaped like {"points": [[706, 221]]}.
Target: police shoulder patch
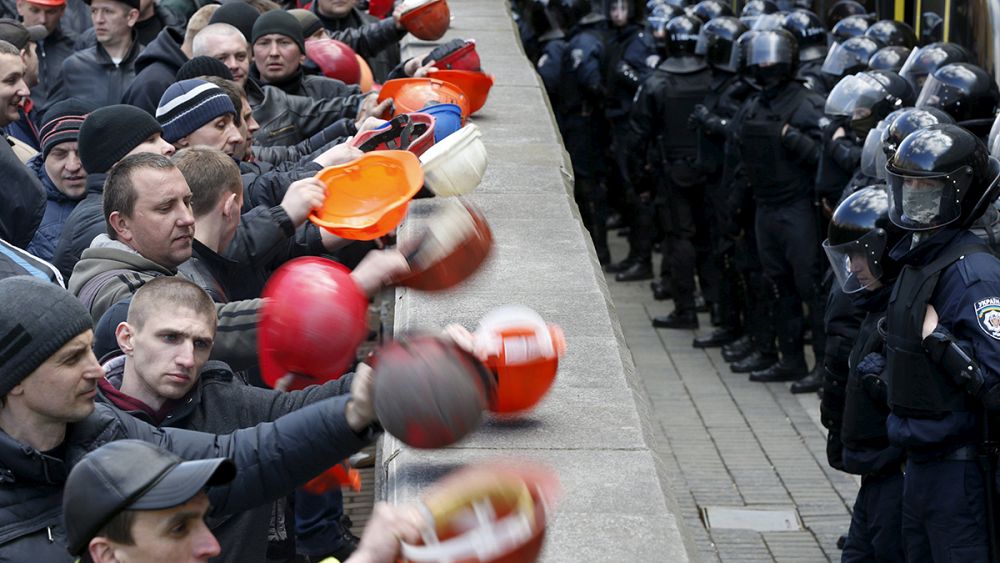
{"points": [[988, 313], [577, 56]]}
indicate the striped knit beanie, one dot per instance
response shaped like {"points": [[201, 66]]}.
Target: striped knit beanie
{"points": [[189, 104], [62, 123]]}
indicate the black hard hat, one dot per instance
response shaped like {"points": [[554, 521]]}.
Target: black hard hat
{"points": [[682, 35], [809, 33], [717, 42], [844, 9], [868, 97], [707, 10], [852, 26], [850, 56], [963, 90], [925, 60], [889, 58], [859, 238], [771, 57], [941, 175], [892, 32]]}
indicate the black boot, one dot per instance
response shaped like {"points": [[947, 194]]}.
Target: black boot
{"points": [[677, 319], [753, 362], [638, 271], [661, 289], [784, 370], [717, 338], [738, 349], [615, 267], [808, 384]]}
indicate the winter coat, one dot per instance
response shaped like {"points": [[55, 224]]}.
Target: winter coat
{"points": [[92, 76], [272, 459], [317, 88], [58, 207], [110, 271], [155, 69], [17, 262], [377, 41], [310, 148], [144, 32], [223, 402], [52, 51], [23, 199], [287, 120], [82, 226]]}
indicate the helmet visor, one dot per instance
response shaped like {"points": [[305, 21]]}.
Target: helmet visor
{"points": [[873, 157], [768, 22], [857, 265], [855, 96], [839, 60], [921, 203], [937, 94], [994, 138], [704, 41], [769, 49], [658, 24]]}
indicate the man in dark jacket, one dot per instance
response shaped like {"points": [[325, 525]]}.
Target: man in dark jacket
{"points": [[52, 50], [155, 68], [100, 74], [49, 422], [375, 41], [60, 171]]}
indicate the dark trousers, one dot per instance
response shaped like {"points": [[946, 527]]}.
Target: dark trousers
{"points": [[789, 253], [876, 533], [580, 135], [758, 293], [317, 522], [944, 512], [677, 219]]}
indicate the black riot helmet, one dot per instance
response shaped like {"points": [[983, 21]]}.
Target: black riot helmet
{"points": [[789, 5], [908, 122], [941, 175], [771, 57], [708, 10], [565, 14], [681, 4], [963, 90], [850, 56], [867, 98], [873, 156], [717, 43], [843, 10], [892, 32], [656, 23], [925, 60], [620, 13], [994, 138], [853, 26], [859, 238], [756, 8], [682, 35], [809, 33], [890, 58]]}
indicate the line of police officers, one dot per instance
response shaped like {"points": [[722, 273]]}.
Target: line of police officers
{"points": [[738, 143]]}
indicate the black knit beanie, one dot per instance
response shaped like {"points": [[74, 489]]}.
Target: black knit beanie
{"points": [[62, 123], [282, 23], [203, 66], [239, 15], [37, 318], [110, 133], [309, 21]]}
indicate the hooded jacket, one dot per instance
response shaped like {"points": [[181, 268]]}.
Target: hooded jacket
{"points": [[109, 271], [155, 69], [377, 41], [222, 402], [58, 207], [287, 120], [271, 458], [82, 226], [17, 262], [92, 76]]}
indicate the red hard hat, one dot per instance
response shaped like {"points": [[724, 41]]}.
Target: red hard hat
{"points": [[456, 243], [475, 85], [407, 131], [428, 20], [335, 59], [457, 54], [313, 319]]}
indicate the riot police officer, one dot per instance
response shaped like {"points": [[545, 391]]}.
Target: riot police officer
{"points": [[659, 117], [966, 92], [813, 40], [891, 58], [942, 327], [779, 130]]}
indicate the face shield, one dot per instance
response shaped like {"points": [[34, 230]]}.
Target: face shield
{"points": [[937, 94], [910, 71], [705, 40], [841, 60], [993, 141], [768, 22], [855, 97], [921, 203], [857, 265], [658, 29], [873, 157]]}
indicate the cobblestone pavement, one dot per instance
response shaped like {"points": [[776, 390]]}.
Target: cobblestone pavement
{"points": [[729, 442]]}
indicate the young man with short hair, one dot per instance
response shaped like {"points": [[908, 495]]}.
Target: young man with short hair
{"points": [[52, 49], [25, 129]]}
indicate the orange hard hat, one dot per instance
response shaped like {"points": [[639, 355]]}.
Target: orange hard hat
{"points": [[367, 81], [523, 351], [475, 85], [456, 243], [335, 59], [51, 3], [407, 131], [493, 512], [413, 94], [366, 198], [312, 321], [428, 20]]}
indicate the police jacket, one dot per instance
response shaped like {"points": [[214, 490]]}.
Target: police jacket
{"points": [[306, 442], [581, 85], [92, 76], [222, 402], [110, 271], [81, 227], [52, 51], [549, 67], [377, 41], [838, 161], [58, 207], [841, 322], [155, 69], [810, 74], [963, 297], [726, 96], [286, 119], [23, 199], [780, 167], [626, 63]]}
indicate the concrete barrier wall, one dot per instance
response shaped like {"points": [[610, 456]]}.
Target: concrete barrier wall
{"points": [[593, 427]]}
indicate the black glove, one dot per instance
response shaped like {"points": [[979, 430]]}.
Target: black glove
{"points": [[698, 117], [942, 349], [870, 370]]}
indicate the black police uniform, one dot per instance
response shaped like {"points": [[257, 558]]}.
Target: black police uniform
{"points": [[781, 167]]}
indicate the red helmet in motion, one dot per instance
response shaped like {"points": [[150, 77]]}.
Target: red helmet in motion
{"points": [[335, 59], [427, 19]]}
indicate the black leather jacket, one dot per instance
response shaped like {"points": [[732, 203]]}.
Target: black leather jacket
{"points": [[287, 120], [91, 75]]}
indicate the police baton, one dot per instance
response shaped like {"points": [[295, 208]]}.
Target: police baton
{"points": [[987, 461]]}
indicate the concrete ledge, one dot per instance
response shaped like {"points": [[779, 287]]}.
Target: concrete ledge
{"points": [[594, 427]]}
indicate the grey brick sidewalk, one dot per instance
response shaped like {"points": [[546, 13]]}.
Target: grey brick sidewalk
{"points": [[729, 442]]}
